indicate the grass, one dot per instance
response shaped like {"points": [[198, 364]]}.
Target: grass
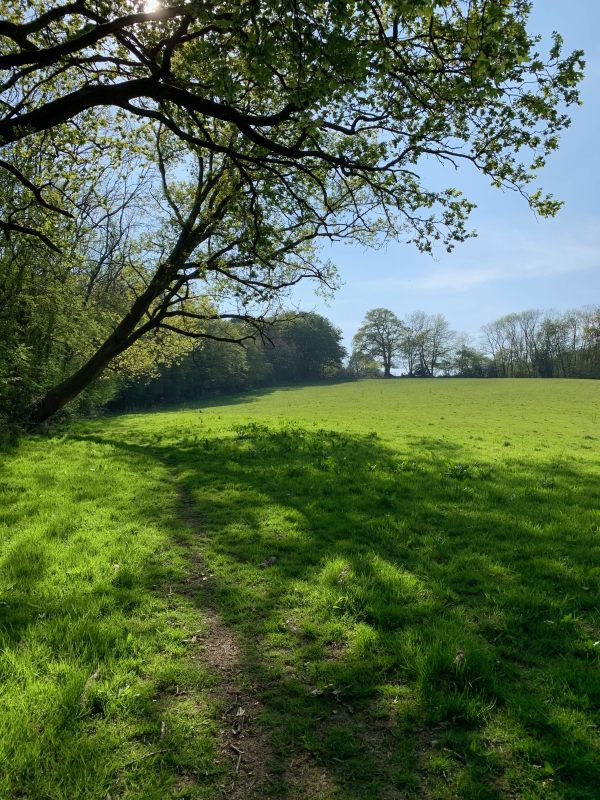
{"points": [[429, 629]]}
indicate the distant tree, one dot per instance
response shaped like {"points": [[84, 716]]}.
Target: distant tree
{"points": [[544, 344], [524, 344], [468, 362], [305, 346], [415, 328], [550, 356], [494, 343], [437, 344], [426, 344], [361, 366], [591, 342], [380, 338]]}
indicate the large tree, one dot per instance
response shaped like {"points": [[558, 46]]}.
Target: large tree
{"points": [[218, 252], [305, 120], [380, 338]]}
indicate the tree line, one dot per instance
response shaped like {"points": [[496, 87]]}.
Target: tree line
{"points": [[305, 346], [302, 347], [527, 344]]}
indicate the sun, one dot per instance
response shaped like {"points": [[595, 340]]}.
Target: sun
{"points": [[151, 5]]}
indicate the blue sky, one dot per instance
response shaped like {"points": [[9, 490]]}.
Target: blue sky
{"points": [[518, 261]]}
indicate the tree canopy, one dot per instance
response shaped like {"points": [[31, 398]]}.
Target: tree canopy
{"points": [[305, 347], [356, 90], [527, 344]]}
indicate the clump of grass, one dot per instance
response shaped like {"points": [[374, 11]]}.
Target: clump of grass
{"points": [[459, 472]]}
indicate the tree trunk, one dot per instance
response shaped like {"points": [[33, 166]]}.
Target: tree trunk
{"points": [[119, 340]]}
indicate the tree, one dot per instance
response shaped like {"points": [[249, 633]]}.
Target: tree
{"points": [[314, 119], [380, 338], [352, 87], [211, 366], [527, 344], [500, 337], [221, 252], [543, 344], [361, 366], [305, 347], [55, 308], [468, 362], [415, 328], [436, 345], [426, 344], [591, 341]]}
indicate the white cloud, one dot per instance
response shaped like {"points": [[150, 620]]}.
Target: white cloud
{"points": [[513, 256]]}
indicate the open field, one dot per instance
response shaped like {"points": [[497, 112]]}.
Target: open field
{"points": [[429, 629]]}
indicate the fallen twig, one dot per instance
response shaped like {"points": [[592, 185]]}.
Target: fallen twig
{"points": [[454, 753]]}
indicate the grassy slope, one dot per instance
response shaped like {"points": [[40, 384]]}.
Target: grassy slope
{"points": [[429, 628]]}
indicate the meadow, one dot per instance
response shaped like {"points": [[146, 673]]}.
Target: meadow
{"points": [[374, 590]]}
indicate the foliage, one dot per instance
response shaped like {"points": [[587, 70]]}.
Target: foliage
{"points": [[353, 89], [57, 307], [361, 366], [428, 344], [301, 347], [531, 343], [422, 343], [534, 343], [429, 627], [305, 347], [468, 362], [49, 326]]}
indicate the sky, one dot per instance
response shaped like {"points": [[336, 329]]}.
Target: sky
{"points": [[518, 261]]}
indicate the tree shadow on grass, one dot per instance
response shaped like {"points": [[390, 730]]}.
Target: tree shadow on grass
{"points": [[208, 401], [217, 400], [427, 626]]}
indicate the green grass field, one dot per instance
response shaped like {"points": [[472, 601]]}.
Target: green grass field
{"points": [[429, 628]]}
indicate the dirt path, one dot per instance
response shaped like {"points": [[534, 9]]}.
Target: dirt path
{"points": [[242, 742]]}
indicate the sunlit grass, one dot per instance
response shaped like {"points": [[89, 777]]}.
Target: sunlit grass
{"points": [[93, 645], [429, 628]]}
